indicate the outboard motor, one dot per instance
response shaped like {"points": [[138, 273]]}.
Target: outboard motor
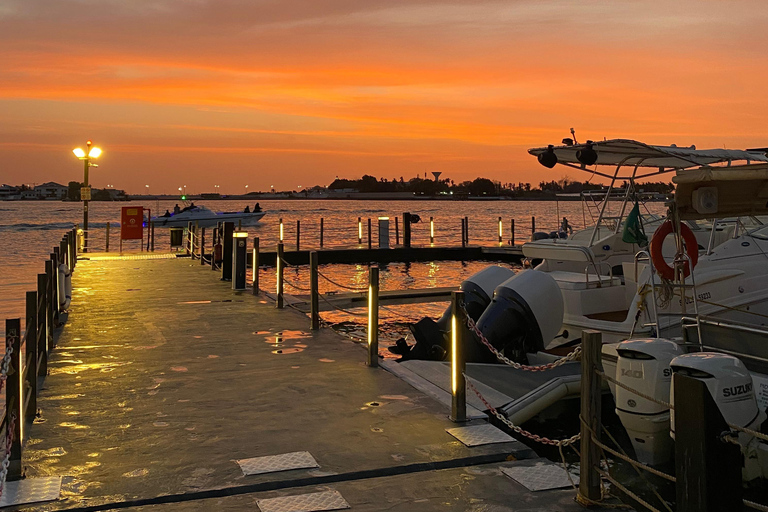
{"points": [[525, 315], [643, 364], [730, 384], [431, 339]]}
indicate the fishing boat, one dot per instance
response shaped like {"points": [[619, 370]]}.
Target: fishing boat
{"points": [[205, 217]]}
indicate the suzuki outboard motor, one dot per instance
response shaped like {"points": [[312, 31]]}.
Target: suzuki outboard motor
{"points": [[643, 364], [430, 336], [730, 384], [525, 315]]}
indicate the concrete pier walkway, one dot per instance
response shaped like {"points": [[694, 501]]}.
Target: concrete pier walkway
{"points": [[163, 377]]}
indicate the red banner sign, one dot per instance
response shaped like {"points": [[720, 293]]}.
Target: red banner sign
{"points": [[131, 223]]}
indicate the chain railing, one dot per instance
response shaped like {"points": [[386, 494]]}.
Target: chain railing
{"points": [[572, 356], [6, 464]]}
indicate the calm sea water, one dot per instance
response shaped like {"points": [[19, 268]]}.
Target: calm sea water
{"points": [[30, 229]]}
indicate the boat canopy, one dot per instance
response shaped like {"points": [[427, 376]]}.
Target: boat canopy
{"points": [[627, 152], [719, 192]]}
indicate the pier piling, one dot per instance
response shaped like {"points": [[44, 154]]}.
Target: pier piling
{"points": [[512, 232], [370, 234], [42, 324], [407, 229], [152, 236], [202, 246], [591, 400], [298, 235], [373, 317], [226, 256], [13, 398], [397, 232], [30, 370], [321, 232], [458, 364], [533, 226], [106, 239]]}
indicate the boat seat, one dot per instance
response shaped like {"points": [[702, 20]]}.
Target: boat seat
{"points": [[581, 281]]}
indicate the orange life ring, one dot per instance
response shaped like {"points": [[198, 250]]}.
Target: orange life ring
{"points": [[691, 248]]}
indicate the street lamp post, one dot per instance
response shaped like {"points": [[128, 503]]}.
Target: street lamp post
{"points": [[85, 192]]}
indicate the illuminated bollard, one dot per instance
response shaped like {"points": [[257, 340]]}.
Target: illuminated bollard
{"points": [[226, 257], [255, 266], [279, 277], [373, 317], [239, 251], [432, 230], [501, 233], [458, 384], [282, 231], [359, 231], [383, 232]]}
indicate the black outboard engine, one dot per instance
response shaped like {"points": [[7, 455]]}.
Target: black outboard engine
{"points": [[525, 315], [431, 337]]}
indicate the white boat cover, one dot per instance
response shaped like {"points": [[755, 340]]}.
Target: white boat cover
{"points": [[631, 152], [741, 190]]}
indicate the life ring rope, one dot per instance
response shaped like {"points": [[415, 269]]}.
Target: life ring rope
{"points": [[691, 249]]}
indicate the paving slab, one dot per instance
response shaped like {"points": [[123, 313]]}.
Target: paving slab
{"points": [[163, 377]]}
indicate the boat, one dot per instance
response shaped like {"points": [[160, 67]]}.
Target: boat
{"points": [[205, 217]]}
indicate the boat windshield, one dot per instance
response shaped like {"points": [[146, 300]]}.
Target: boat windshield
{"points": [[761, 232]]}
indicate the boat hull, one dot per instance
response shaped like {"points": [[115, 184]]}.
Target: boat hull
{"points": [[181, 220]]}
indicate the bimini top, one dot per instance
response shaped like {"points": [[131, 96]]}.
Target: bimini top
{"points": [[627, 152]]}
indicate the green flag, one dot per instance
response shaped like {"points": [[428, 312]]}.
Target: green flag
{"points": [[633, 230]]}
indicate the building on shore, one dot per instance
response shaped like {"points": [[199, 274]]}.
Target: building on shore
{"points": [[51, 190]]}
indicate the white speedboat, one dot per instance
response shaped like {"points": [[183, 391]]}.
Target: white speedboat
{"points": [[205, 217]]}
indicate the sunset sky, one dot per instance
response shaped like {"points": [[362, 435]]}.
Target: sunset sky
{"points": [[288, 93]]}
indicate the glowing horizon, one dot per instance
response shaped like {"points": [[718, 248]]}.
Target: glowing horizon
{"points": [[295, 93]]}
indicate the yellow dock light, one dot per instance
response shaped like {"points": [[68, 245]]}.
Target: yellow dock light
{"points": [[282, 232], [359, 230], [240, 234], [501, 233], [431, 230], [383, 218]]}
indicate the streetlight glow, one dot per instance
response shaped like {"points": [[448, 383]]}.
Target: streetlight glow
{"points": [[85, 191], [95, 152], [79, 153]]}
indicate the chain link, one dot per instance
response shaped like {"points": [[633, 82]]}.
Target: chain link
{"points": [[292, 285], [334, 306], [520, 430], [572, 356], [359, 290], [7, 459], [756, 506]]}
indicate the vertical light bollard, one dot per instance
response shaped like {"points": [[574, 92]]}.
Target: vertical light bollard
{"points": [[255, 266], [432, 230], [282, 230], [458, 365], [279, 278], [239, 254], [196, 238], [359, 231], [591, 399], [314, 293], [373, 317], [501, 233]]}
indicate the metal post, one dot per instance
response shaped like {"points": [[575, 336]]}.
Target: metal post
{"points": [[373, 317], [463, 233], [432, 230], [321, 232], [239, 255], [298, 235], [466, 228], [279, 278], [202, 246], [707, 468], [501, 233], [14, 394], [30, 328], [314, 293], [512, 231], [533, 226], [107, 238], [55, 288], [226, 256], [370, 234], [359, 231], [406, 229], [152, 236], [397, 231], [458, 364], [591, 399], [255, 266], [42, 323]]}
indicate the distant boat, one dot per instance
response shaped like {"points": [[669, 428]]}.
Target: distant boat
{"points": [[205, 217]]}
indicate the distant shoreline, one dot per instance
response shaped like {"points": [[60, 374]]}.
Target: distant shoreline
{"points": [[350, 197]]}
